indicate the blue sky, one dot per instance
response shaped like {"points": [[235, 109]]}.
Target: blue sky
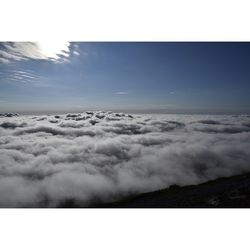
{"points": [[149, 77]]}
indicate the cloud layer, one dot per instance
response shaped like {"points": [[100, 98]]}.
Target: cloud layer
{"points": [[103, 156]]}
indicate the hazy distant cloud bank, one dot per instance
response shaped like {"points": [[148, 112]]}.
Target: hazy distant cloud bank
{"points": [[103, 156]]}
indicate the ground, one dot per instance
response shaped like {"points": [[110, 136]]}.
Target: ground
{"points": [[231, 192]]}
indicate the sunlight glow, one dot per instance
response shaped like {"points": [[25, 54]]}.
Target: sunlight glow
{"points": [[52, 49]]}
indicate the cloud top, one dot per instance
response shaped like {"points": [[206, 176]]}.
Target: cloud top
{"points": [[96, 156]]}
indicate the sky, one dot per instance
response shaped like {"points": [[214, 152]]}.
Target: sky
{"points": [[166, 77]]}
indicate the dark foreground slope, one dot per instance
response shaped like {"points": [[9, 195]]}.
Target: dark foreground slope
{"points": [[231, 192]]}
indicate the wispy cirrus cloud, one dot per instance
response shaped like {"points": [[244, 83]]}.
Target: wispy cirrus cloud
{"points": [[47, 50], [23, 76], [121, 93], [26, 76], [76, 53], [20, 76]]}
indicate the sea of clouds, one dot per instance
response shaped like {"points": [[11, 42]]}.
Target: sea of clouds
{"points": [[99, 156]]}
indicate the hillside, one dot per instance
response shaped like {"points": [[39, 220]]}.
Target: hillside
{"points": [[231, 192]]}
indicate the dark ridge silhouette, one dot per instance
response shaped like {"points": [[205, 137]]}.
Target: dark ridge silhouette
{"points": [[229, 192]]}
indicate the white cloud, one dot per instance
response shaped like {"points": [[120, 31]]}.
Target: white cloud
{"points": [[76, 53], [103, 156], [3, 60], [121, 93], [45, 50]]}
